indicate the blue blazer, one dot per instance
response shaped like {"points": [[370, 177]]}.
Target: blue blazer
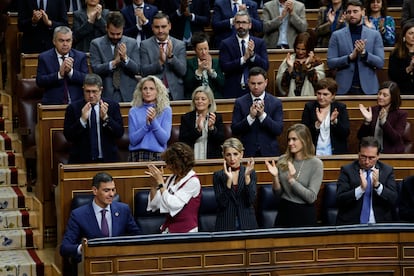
{"points": [[47, 76], [349, 209], [341, 46], [38, 38], [130, 27], [220, 21], [229, 58], [83, 224], [79, 136], [260, 138]]}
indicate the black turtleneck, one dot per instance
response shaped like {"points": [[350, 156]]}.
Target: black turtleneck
{"points": [[356, 31]]}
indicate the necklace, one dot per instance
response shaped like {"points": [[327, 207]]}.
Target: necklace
{"points": [[300, 170]]}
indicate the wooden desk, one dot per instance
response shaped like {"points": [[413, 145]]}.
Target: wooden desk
{"points": [[351, 250]]}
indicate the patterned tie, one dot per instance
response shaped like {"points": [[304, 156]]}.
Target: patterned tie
{"points": [[93, 134], [234, 8], [366, 204], [65, 84], [116, 74], [164, 75], [246, 68], [104, 224]]}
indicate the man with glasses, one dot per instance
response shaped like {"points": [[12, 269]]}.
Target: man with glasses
{"points": [[366, 191], [238, 54], [93, 125]]}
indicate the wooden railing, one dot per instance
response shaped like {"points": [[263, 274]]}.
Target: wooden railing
{"points": [[351, 250]]}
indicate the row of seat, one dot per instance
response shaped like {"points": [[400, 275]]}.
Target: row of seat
{"points": [[266, 208]]}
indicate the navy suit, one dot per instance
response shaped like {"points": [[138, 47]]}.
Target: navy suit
{"points": [[220, 22], [47, 76], [79, 136], [259, 139], [38, 38], [229, 58], [339, 132], [130, 27], [83, 224], [341, 46], [349, 209]]}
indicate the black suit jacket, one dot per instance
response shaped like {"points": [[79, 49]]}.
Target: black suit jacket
{"points": [[260, 138], [339, 132], [130, 27], [189, 134], [38, 38], [349, 209], [79, 135], [234, 203]]}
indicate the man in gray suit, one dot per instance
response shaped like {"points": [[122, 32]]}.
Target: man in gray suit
{"points": [[164, 57], [115, 58], [282, 21]]}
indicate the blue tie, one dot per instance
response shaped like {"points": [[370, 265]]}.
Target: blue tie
{"points": [[234, 9], [366, 204], [93, 134]]}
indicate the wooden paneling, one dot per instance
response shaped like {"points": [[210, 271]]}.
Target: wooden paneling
{"points": [[372, 250]]}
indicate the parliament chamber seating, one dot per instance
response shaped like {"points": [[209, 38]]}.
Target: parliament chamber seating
{"points": [[148, 221], [329, 209], [208, 210], [267, 203]]}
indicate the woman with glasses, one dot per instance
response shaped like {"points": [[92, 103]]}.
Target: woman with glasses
{"points": [[385, 121]]}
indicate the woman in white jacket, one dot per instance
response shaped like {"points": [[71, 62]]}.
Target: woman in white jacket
{"points": [[300, 71]]}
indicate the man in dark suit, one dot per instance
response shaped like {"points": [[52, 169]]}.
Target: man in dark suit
{"points": [[164, 57], [223, 19], [258, 117], [138, 19], [37, 20], [238, 54], [366, 191], [92, 125], [61, 70], [115, 58], [407, 13], [100, 218]]}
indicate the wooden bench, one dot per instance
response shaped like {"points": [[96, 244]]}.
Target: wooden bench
{"points": [[352, 250]]}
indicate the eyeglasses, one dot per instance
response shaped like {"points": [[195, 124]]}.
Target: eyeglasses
{"points": [[369, 158], [241, 22]]}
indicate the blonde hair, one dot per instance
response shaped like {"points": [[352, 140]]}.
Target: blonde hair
{"points": [[209, 93], [232, 143], [308, 149], [162, 95]]}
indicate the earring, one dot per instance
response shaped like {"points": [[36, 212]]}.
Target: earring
{"points": [[403, 39]]}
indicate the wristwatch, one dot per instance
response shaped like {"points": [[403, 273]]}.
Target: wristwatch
{"points": [[160, 186]]}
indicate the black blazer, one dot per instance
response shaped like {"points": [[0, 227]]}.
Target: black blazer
{"points": [[38, 38], [349, 209], [79, 136], [339, 132], [232, 203], [189, 134]]}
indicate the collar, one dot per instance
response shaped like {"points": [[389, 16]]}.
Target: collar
{"points": [[246, 39], [60, 55], [239, 2], [140, 6], [165, 41], [260, 97], [97, 209]]}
